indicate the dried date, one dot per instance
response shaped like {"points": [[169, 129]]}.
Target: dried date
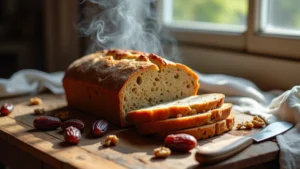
{"points": [[180, 142], [72, 122], [6, 109], [46, 123], [72, 135], [99, 128]]}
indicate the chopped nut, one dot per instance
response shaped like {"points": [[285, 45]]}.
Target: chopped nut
{"points": [[239, 126], [63, 115], [258, 122], [111, 140], [161, 152], [39, 111], [35, 101], [249, 125], [257, 118], [179, 115]]}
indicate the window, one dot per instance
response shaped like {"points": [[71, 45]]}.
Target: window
{"points": [[270, 27], [280, 17], [212, 15]]}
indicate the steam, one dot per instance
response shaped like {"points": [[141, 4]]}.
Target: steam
{"points": [[128, 24]]}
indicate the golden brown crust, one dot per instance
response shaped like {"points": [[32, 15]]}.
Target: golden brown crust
{"points": [[206, 131], [107, 72], [109, 69], [163, 113], [197, 120]]}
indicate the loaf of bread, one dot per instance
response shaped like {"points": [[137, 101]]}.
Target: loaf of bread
{"points": [[206, 131], [183, 107], [111, 83], [173, 124]]}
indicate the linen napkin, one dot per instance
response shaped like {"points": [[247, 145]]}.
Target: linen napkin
{"points": [[271, 106], [31, 81]]}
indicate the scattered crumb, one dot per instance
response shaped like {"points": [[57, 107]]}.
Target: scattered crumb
{"points": [[161, 152], [63, 115], [39, 111], [240, 133], [35, 101], [111, 140]]}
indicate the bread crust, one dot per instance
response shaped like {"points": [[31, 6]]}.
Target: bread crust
{"points": [[206, 131], [94, 83], [197, 120]]}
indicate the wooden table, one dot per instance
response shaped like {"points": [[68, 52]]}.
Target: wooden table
{"points": [[24, 147]]}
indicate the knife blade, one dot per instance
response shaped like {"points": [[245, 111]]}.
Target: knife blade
{"points": [[224, 149]]}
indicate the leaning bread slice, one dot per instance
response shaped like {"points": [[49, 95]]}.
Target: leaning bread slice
{"points": [[179, 123], [207, 131], [182, 107]]}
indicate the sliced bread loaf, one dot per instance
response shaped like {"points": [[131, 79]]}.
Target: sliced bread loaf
{"points": [[179, 123], [110, 83], [206, 131], [182, 107]]}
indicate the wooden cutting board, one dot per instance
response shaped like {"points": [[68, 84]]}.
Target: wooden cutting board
{"points": [[132, 151]]}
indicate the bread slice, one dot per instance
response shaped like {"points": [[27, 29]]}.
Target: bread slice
{"points": [[110, 83], [206, 131], [196, 120], [182, 107]]}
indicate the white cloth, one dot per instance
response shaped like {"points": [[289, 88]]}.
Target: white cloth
{"points": [[271, 106], [31, 81]]}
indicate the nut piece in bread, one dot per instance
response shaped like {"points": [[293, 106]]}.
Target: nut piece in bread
{"points": [[110, 83]]}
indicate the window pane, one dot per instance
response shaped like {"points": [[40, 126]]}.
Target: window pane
{"points": [[281, 16], [220, 13]]}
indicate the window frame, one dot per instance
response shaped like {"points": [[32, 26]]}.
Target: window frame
{"points": [[254, 40]]}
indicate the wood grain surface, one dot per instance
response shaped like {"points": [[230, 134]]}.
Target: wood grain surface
{"points": [[132, 151]]}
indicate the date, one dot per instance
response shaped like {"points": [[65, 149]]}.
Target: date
{"points": [[72, 122], [180, 142], [6, 109], [46, 123], [99, 128], [72, 135]]}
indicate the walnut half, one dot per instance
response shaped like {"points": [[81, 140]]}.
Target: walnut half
{"points": [[35, 101], [161, 152], [111, 140]]}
